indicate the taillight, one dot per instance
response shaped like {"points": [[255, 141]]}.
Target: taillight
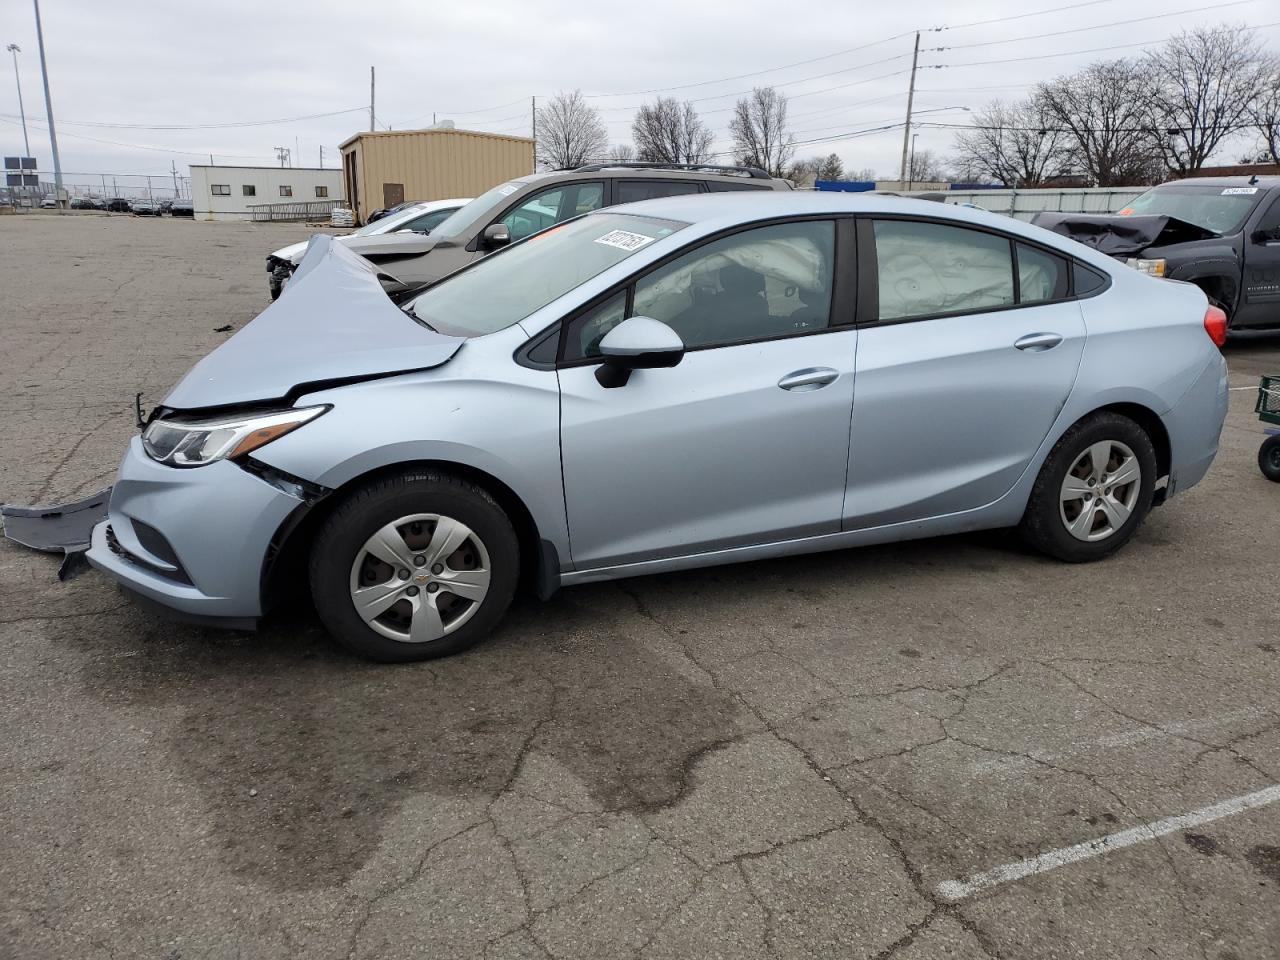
{"points": [[1215, 325]]}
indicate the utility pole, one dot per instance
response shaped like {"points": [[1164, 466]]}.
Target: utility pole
{"points": [[297, 148], [48, 108], [911, 94], [173, 167], [15, 50], [322, 156], [533, 129], [371, 99], [911, 163]]}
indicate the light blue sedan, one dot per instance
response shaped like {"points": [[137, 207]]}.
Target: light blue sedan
{"points": [[675, 383]]}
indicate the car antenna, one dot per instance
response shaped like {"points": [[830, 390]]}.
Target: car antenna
{"points": [[137, 408], [1253, 180]]}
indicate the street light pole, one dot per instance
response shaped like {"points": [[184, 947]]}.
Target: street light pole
{"points": [[48, 108], [15, 50]]}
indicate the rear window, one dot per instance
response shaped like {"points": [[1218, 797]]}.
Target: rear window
{"points": [[1216, 208]]}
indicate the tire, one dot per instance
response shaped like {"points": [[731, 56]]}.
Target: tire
{"points": [[424, 619], [1269, 458], [1053, 513]]}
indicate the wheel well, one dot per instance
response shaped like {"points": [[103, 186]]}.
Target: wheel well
{"points": [[284, 570], [1219, 290], [1153, 426]]}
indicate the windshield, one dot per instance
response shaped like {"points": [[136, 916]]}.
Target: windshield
{"points": [[1217, 208], [390, 222], [503, 289], [478, 209]]}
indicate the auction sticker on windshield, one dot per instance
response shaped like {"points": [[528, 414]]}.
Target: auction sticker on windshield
{"points": [[1239, 191], [624, 240]]}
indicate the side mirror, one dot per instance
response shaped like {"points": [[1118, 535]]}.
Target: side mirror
{"points": [[496, 235], [638, 343]]}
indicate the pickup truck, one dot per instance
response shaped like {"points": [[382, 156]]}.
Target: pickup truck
{"points": [[1220, 233]]}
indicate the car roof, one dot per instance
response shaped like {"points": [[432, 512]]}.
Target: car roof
{"points": [[1252, 181], [597, 172], [712, 212]]}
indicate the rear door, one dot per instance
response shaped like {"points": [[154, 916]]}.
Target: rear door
{"points": [[974, 347], [1260, 294]]}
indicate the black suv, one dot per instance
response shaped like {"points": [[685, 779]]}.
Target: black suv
{"points": [[526, 205], [1220, 233]]}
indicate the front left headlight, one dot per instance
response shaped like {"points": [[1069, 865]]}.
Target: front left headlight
{"points": [[194, 443], [1152, 268]]}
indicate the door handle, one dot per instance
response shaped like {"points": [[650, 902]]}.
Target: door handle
{"points": [[810, 378], [1038, 342]]}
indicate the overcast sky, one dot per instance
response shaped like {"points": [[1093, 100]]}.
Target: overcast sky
{"points": [[118, 67]]}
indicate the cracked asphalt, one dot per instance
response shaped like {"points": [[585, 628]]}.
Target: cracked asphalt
{"points": [[780, 759]]}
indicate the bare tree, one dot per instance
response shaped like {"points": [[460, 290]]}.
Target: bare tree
{"points": [[1103, 110], [1204, 83], [1013, 143], [924, 167], [865, 174], [804, 172], [621, 153], [668, 131], [1264, 112], [569, 132], [759, 130]]}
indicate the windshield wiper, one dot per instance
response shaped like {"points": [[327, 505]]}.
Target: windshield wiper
{"points": [[408, 309]]}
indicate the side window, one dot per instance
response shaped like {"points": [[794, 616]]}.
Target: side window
{"points": [[589, 329], [1041, 276], [925, 269], [548, 208], [758, 284], [427, 222], [724, 186], [632, 190], [1269, 225], [1087, 281]]}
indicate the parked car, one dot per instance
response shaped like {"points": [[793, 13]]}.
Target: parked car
{"points": [[145, 208], [81, 203], [419, 218], [657, 387], [118, 205], [380, 213], [182, 207], [50, 202], [520, 207], [1220, 233]]}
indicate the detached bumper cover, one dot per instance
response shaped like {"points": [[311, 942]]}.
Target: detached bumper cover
{"points": [[193, 540]]}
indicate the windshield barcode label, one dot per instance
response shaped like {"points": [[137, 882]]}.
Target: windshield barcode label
{"points": [[1239, 191], [624, 240]]}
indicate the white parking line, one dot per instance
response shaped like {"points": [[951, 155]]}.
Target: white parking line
{"points": [[959, 889]]}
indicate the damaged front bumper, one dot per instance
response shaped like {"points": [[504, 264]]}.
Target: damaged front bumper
{"points": [[192, 540], [66, 528]]}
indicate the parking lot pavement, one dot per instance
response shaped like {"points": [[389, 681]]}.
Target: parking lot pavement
{"points": [[842, 755]]}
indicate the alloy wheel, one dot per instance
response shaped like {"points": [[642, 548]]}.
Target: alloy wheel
{"points": [[420, 578], [1100, 491]]}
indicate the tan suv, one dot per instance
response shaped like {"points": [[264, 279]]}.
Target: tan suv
{"points": [[526, 205]]}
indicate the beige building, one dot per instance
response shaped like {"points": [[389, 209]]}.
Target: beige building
{"points": [[385, 168]]}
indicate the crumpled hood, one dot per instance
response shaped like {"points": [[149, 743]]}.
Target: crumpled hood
{"points": [[406, 244], [332, 322], [1121, 236]]}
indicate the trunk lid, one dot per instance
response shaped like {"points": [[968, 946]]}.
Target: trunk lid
{"points": [[332, 323]]}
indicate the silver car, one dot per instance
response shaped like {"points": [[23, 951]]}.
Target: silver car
{"points": [[670, 384]]}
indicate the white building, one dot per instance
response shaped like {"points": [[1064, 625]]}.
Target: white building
{"points": [[227, 193]]}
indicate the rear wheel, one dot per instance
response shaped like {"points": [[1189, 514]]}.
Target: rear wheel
{"points": [[1093, 491], [414, 567], [1269, 459]]}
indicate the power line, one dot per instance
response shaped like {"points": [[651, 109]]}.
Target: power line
{"points": [[1023, 16], [1098, 26], [1072, 53], [143, 146], [198, 126]]}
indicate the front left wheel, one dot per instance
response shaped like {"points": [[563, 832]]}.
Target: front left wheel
{"points": [[414, 567]]}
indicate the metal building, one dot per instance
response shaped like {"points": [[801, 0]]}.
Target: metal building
{"points": [[385, 168]]}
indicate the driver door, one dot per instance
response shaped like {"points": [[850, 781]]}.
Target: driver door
{"points": [[746, 440]]}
